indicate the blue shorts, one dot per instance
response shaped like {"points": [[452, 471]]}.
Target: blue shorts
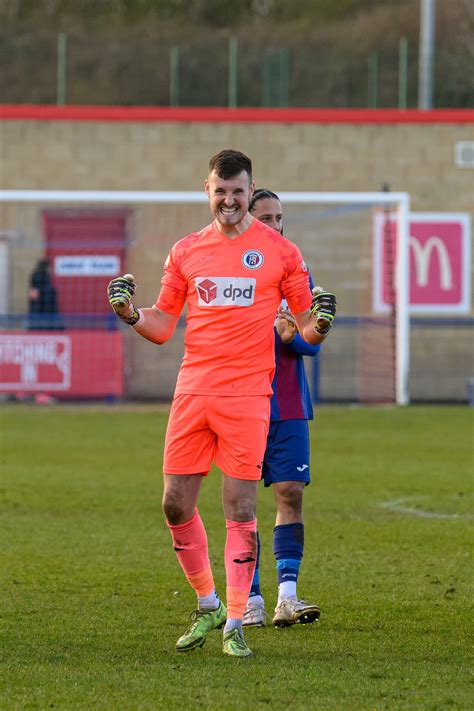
{"points": [[287, 453]]}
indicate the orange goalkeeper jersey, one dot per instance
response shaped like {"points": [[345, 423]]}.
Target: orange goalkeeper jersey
{"points": [[233, 288]]}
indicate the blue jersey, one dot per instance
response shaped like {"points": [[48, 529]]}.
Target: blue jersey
{"points": [[291, 398]]}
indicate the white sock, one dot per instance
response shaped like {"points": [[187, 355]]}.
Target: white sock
{"points": [[256, 600], [232, 624], [209, 602], [287, 589]]}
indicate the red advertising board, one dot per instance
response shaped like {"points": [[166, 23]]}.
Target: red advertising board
{"points": [[440, 263], [65, 364]]}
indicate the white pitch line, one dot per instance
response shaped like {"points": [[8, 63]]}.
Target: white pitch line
{"points": [[397, 505]]}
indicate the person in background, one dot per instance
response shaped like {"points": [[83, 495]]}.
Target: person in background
{"points": [[286, 464], [42, 299]]}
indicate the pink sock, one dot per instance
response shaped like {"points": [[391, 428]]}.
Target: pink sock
{"points": [[190, 545], [240, 560]]}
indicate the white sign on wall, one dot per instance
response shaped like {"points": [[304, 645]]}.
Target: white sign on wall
{"points": [[84, 265]]}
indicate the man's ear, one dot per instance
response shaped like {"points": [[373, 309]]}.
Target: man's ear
{"points": [[206, 187]]}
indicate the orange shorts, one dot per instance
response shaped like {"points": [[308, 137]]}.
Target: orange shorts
{"points": [[231, 431]]}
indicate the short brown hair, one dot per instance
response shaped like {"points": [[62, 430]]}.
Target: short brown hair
{"points": [[229, 163]]}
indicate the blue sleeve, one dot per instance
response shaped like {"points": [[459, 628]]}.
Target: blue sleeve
{"points": [[299, 345]]}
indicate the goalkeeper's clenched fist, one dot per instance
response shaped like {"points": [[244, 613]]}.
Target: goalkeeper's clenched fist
{"points": [[120, 292], [323, 309]]}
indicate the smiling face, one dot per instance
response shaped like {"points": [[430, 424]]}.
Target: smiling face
{"points": [[268, 210], [229, 200]]}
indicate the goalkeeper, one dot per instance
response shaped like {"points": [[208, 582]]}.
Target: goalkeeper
{"points": [[232, 275], [287, 462]]}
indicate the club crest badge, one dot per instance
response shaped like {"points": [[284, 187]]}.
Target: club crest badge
{"points": [[252, 259]]}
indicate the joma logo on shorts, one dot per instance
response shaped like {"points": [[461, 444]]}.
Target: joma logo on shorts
{"points": [[225, 291]]}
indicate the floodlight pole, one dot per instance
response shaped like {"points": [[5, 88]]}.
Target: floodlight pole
{"points": [[425, 76]]}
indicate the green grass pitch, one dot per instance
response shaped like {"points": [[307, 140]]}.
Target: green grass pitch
{"points": [[93, 599]]}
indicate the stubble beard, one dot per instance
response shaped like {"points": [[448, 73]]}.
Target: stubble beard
{"points": [[229, 219]]}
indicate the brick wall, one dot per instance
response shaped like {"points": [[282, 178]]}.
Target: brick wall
{"points": [[99, 155]]}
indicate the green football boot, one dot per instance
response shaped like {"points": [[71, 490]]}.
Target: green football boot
{"points": [[200, 623], [234, 645]]}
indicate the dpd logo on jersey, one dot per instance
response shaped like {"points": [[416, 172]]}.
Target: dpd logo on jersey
{"points": [[225, 291], [207, 290], [252, 259]]}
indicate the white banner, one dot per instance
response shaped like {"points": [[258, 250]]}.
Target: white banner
{"points": [[83, 265]]}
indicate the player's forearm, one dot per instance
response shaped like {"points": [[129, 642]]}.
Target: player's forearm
{"points": [[310, 335], [155, 325], [306, 327]]}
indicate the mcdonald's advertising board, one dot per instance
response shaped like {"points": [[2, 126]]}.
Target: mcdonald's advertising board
{"points": [[440, 262]]}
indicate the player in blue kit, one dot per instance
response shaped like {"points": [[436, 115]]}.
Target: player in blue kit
{"points": [[286, 464]]}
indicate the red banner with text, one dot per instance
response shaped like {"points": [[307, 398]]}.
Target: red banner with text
{"points": [[66, 364]]}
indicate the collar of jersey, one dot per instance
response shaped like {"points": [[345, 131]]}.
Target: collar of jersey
{"points": [[234, 240]]}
